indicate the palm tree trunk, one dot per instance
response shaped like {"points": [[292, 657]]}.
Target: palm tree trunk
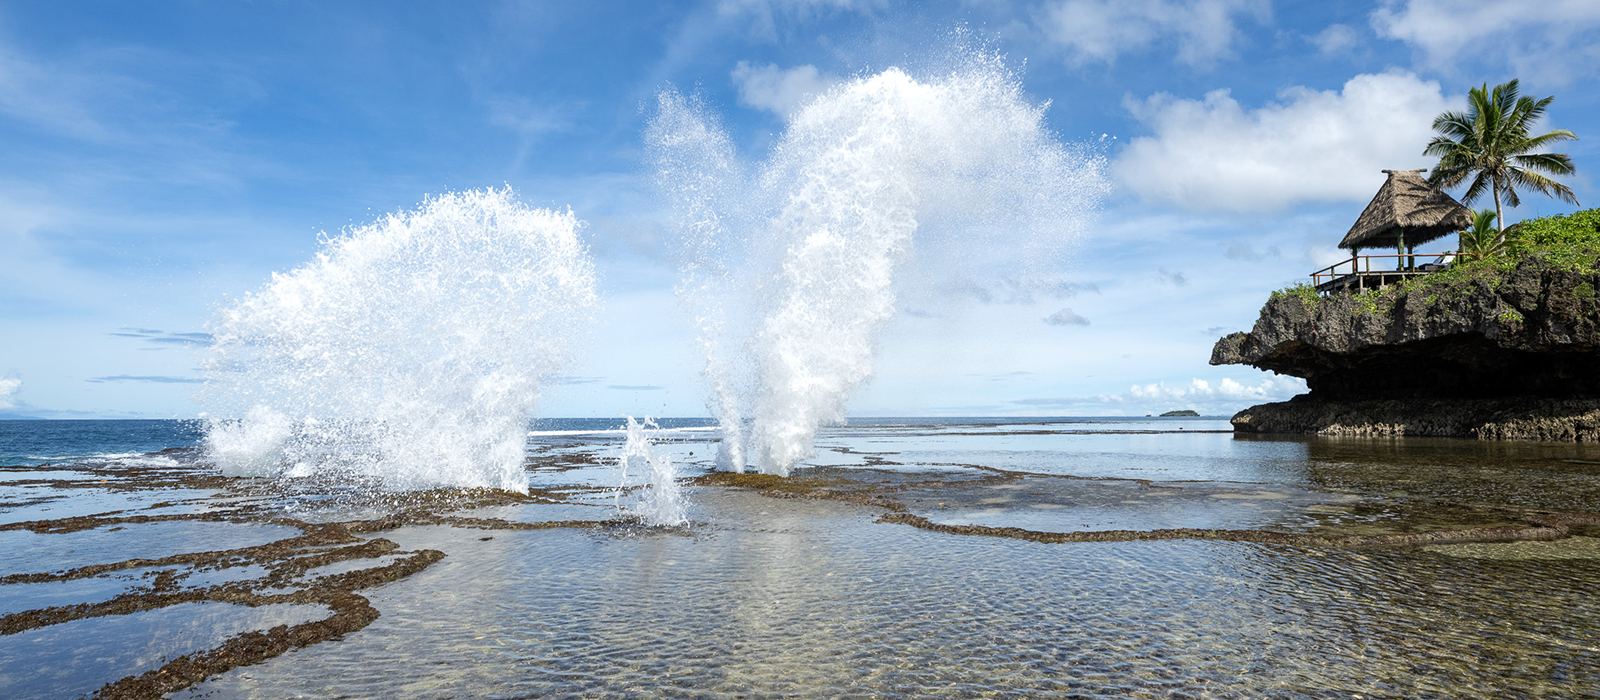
{"points": [[1499, 216]]}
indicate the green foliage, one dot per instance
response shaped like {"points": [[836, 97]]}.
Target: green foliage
{"points": [[1450, 284], [1377, 302], [1571, 241], [1490, 148], [1304, 291], [1510, 316], [1483, 239]]}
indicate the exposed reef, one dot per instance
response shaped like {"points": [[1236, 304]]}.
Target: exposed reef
{"points": [[1492, 351]]}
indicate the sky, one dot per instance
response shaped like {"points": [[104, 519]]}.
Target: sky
{"points": [[162, 159]]}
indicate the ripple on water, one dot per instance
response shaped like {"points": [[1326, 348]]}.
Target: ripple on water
{"points": [[30, 552], [76, 658], [783, 598]]}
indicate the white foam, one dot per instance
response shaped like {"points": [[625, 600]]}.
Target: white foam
{"points": [[790, 268], [662, 503], [411, 349]]}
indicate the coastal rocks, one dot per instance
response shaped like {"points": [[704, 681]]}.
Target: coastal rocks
{"points": [[1494, 354], [1529, 418]]}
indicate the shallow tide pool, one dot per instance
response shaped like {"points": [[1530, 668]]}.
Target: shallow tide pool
{"points": [[906, 560]]}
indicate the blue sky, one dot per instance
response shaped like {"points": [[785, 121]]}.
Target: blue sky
{"points": [[164, 158]]}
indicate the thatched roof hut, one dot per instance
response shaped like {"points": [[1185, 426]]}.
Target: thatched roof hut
{"points": [[1406, 206]]}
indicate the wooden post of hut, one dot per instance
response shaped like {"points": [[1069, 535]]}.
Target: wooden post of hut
{"points": [[1406, 212]]}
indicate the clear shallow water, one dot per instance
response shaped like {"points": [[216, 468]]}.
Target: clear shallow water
{"points": [[800, 597]]}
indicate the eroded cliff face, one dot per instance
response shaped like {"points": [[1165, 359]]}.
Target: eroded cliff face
{"points": [[1494, 354], [1532, 331]]}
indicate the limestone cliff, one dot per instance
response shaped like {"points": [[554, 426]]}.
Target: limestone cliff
{"points": [[1457, 353]]}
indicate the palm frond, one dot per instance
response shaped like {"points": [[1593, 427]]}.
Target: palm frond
{"points": [[1543, 140], [1489, 147], [1479, 186], [1553, 163], [1546, 186]]}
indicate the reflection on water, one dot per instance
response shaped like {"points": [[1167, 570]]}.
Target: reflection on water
{"points": [[804, 593]]}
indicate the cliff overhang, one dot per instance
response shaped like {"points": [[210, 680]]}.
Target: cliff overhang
{"points": [[1470, 349]]}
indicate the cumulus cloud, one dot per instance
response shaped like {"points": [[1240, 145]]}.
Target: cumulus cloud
{"points": [[1274, 388], [1552, 38], [1224, 396], [779, 91], [1065, 317], [1324, 255], [1215, 154], [1097, 31], [8, 392], [1172, 277], [1336, 38]]}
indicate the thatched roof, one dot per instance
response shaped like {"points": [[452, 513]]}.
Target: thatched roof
{"points": [[1407, 203]]}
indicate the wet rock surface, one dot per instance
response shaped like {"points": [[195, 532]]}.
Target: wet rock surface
{"points": [[1520, 418], [1512, 355]]}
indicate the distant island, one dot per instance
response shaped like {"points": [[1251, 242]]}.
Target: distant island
{"points": [[1184, 413]]}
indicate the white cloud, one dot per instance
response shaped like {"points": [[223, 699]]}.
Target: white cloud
{"points": [[1335, 39], [1065, 317], [777, 90], [1097, 31], [8, 392], [1322, 256], [1274, 388], [1214, 154], [1551, 38], [1225, 396]]}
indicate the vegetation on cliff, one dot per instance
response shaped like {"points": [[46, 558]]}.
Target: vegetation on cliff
{"points": [[1569, 243]]}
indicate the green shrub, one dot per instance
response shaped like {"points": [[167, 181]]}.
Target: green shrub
{"points": [[1571, 241], [1304, 291]]}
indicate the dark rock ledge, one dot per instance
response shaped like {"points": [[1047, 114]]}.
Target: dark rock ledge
{"points": [[1493, 354]]}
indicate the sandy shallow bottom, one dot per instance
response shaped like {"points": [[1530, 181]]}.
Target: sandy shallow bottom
{"points": [[908, 562]]}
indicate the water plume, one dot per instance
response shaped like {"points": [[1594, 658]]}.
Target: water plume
{"points": [[662, 504], [791, 267], [410, 350]]}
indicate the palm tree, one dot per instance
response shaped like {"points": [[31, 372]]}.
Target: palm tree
{"points": [[1490, 144], [1482, 239]]}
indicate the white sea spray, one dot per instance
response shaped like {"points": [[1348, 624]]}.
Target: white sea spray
{"points": [[412, 349], [791, 269]]}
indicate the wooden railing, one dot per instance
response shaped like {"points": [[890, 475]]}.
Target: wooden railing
{"points": [[1357, 274]]}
